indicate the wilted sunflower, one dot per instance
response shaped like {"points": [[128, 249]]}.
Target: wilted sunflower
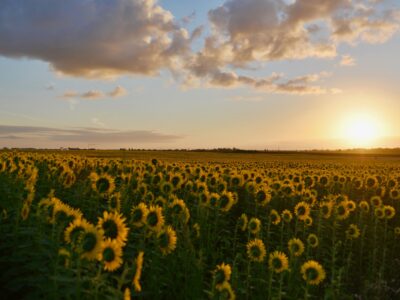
{"points": [[313, 273], [312, 240], [113, 225], [139, 214], [155, 218], [90, 242], [296, 247], [222, 274], [389, 211], [278, 262], [138, 272], [167, 240], [302, 210], [352, 232], [103, 184], [111, 255], [287, 216], [242, 222], [274, 217], [256, 250], [254, 226]]}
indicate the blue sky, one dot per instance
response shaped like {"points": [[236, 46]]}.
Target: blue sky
{"points": [[71, 80]]}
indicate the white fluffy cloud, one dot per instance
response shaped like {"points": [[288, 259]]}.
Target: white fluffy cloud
{"points": [[93, 38]]}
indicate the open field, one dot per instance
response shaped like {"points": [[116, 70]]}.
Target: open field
{"points": [[199, 225]]}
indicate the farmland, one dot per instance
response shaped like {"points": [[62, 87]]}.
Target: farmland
{"points": [[199, 225]]}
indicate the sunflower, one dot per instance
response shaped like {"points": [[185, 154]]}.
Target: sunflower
{"points": [[326, 209], [25, 210], [262, 197], [64, 256], [167, 240], [353, 232], [312, 240], [127, 294], [296, 247], [287, 216], [196, 229], [274, 216], [376, 201], [397, 231], [364, 206], [155, 218], [394, 194], [302, 210], [389, 211], [256, 250], [222, 274], [278, 262], [226, 292], [226, 201], [90, 242], [242, 222], [103, 184], [313, 273], [351, 205], [113, 225], [139, 214], [74, 230], [114, 202], [138, 272], [379, 213], [254, 225], [341, 210], [111, 255]]}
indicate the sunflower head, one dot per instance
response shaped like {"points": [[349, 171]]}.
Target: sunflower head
{"points": [[278, 262], [111, 255], [155, 218], [342, 211], [302, 210], [353, 232], [262, 197], [226, 201], [296, 247], [326, 209], [389, 211], [242, 222], [256, 250], [287, 216], [138, 214], [167, 240], [312, 240], [275, 217], [90, 242], [364, 206], [313, 273], [113, 226], [254, 225], [222, 273]]}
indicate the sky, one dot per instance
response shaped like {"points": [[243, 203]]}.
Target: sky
{"points": [[251, 74]]}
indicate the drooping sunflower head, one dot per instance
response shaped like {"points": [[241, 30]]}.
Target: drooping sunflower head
{"points": [[222, 273], [352, 232], [287, 216], [111, 255], [312, 240], [139, 214], [167, 240], [296, 247], [313, 273], [113, 226], [302, 210], [278, 262], [274, 217], [242, 222], [254, 225], [256, 250], [155, 218]]}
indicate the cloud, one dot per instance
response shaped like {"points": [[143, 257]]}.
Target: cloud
{"points": [[248, 33], [84, 136], [347, 61], [119, 91], [93, 38]]}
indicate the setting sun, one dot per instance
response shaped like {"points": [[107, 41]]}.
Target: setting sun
{"points": [[362, 130]]}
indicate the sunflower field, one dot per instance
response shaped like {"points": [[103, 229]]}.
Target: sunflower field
{"points": [[73, 227]]}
